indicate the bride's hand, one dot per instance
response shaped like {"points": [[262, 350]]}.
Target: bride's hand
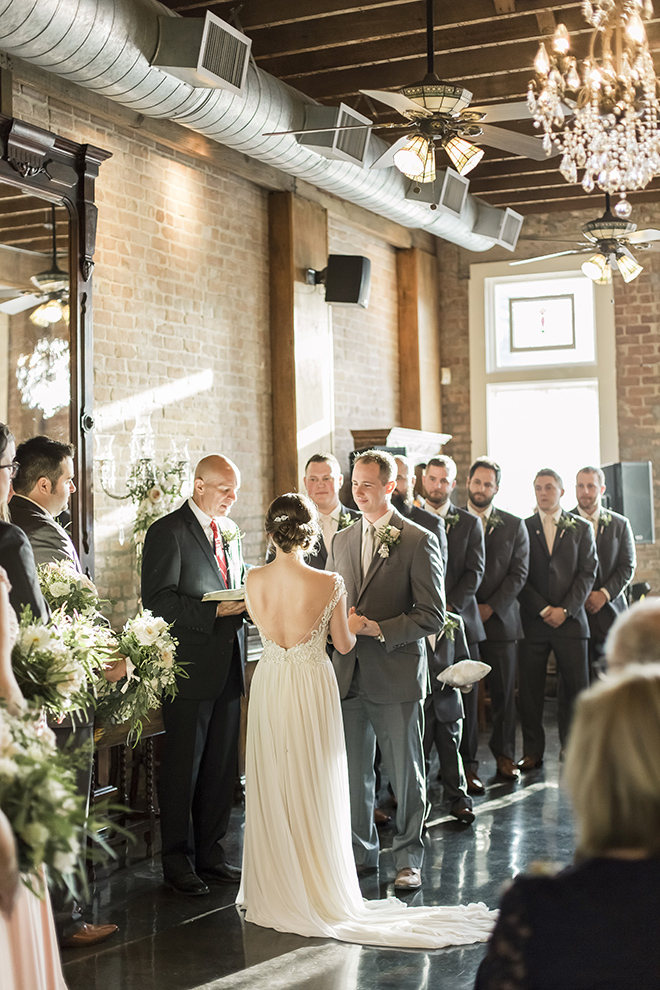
{"points": [[356, 623]]}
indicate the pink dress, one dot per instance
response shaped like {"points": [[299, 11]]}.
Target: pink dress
{"points": [[29, 954]]}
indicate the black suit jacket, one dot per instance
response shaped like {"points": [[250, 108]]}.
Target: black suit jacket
{"points": [[465, 569], [563, 580], [18, 560], [615, 545], [507, 565], [178, 568], [49, 540], [428, 520]]}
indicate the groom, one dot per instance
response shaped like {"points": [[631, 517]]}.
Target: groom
{"points": [[393, 576]]}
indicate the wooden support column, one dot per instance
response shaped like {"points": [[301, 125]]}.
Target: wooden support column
{"points": [[419, 341], [301, 337]]}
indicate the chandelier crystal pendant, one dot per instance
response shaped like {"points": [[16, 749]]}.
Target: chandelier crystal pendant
{"points": [[613, 133]]}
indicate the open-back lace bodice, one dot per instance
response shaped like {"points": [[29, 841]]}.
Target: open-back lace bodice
{"points": [[311, 648]]}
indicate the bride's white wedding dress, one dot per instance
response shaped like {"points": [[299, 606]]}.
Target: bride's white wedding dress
{"points": [[298, 869]]}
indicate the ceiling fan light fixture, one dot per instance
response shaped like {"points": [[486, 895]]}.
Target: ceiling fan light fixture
{"points": [[598, 269], [436, 96], [54, 280], [48, 313], [413, 157], [463, 155], [628, 267]]}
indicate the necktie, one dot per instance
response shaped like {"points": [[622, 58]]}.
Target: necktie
{"points": [[367, 548], [549, 529], [219, 551]]}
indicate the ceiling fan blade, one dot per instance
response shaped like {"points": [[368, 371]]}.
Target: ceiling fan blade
{"points": [[503, 111], [386, 160], [640, 236], [544, 257], [20, 303], [325, 130], [517, 144], [397, 101]]}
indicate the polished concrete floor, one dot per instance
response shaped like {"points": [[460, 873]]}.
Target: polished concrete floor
{"points": [[175, 943]]}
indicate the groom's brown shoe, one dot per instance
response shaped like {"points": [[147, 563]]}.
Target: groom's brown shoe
{"points": [[409, 878]]}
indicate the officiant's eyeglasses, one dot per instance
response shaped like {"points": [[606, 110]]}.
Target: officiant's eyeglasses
{"points": [[12, 468]]}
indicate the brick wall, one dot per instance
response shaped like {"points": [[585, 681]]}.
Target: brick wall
{"points": [[366, 346], [637, 318], [180, 290]]}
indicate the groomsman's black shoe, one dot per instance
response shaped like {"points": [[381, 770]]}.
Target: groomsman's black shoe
{"points": [[464, 815], [188, 884], [222, 873]]}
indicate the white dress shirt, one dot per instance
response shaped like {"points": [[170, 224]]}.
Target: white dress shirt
{"points": [[484, 514], [329, 525]]}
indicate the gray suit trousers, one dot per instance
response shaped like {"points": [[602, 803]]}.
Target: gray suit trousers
{"points": [[398, 730]]}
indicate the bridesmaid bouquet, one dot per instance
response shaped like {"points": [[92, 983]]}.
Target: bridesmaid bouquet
{"points": [[151, 673], [64, 588], [38, 796], [57, 663]]}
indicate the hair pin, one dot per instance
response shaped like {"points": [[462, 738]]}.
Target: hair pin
{"points": [[281, 518]]}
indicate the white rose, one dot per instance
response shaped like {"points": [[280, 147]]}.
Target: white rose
{"points": [[8, 769], [167, 657], [394, 532], [87, 583], [146, 633], [155, 494], [71, 682], [36, 834], [65, 862], [56, 792], [59, 589]]}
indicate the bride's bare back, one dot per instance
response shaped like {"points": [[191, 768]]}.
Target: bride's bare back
{"points": [[289, 598]]}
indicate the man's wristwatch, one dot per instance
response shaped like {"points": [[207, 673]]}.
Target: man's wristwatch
{"points": [[380, 638], [565, 611]]}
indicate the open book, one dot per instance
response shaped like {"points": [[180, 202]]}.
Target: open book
{"points": [[226, 595]]}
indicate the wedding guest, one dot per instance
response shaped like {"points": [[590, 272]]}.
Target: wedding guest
{"points": [[323, 481], [16, 554], [562, 568], [507, 563], [616, 562], [43, 486], [188, 553], [595, 924], [393, 576], [465, 571], [634, 637]]}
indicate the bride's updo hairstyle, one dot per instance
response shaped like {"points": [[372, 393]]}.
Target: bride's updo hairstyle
{"points": [[292, 523]]}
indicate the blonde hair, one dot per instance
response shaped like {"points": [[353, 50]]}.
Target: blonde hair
{"points": [[635, 636], [613, 763]]}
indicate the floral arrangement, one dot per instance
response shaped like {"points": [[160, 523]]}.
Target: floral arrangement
{"points": [[38, 796], [64, 587], [345, 520], [495, 521], [388, 537], [154, 490], [566, 522], [604, 519], [151, 673], [57, 663], [452, 623], [451, 520]]}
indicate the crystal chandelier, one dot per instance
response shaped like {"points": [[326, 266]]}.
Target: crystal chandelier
{"points": [[613, 134]]}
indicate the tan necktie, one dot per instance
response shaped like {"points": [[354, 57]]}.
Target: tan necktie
{"points": [[549, 529], [368, 541]]}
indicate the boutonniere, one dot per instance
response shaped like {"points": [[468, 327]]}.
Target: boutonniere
{"points": [[450, 520], [567, 522], [450, 626], [494, 522], [604, 519], [388, 536], [345, 520], [229, 535]]}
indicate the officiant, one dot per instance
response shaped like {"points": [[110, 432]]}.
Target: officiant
{"points": [[191, 552]]}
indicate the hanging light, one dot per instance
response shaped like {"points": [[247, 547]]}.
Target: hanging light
{"points": [[411, 158], [613, 134], [463, 155], [627, 265], [52, 311], [598, 269]]}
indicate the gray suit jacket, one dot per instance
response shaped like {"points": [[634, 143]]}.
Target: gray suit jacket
{"points": [[563, 580], [49, 540], [507, 564], [616, 566], [403, 593]]}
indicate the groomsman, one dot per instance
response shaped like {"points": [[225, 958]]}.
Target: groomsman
{"points": [[403, 502], [465, 570], [323, 481], [507, 564], [616, 562], [562, 569], [393, 576]]}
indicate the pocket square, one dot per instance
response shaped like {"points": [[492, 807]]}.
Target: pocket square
{"points": [[463, 673]]}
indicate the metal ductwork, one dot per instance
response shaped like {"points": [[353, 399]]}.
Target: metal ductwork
{"points": [[107, 45]]}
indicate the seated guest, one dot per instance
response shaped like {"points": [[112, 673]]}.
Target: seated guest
{"points": [[635, 636], [595, 925]]}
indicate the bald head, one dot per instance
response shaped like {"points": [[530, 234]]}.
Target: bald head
{"points": [[217, 480], [635, 636]]}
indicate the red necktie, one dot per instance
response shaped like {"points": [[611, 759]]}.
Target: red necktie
{"points": [[219, 551]]}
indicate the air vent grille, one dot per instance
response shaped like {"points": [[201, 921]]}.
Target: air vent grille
{"points": [[511, 229], [224, 53], [352, 143], [454, 192]]}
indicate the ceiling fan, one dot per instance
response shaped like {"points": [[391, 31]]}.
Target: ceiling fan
{"points": [[439, 112], [51, 299], [611, 236]]}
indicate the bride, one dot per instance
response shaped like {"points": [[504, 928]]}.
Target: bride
{"points": [[299, 874]]}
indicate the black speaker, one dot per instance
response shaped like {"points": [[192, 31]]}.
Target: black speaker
{"points": [[630, 492], [348, 280]]}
